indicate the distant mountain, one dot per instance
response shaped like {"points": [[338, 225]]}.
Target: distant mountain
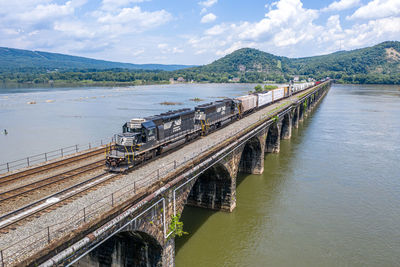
{"points": [[18, 59], [247, 59], [379, 63], [383, 58]]}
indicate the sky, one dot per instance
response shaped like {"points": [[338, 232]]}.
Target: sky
{"points": [[195, 32]]}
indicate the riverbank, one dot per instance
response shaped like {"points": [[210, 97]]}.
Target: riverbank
{"points": [[90, 83], [86, 83]]}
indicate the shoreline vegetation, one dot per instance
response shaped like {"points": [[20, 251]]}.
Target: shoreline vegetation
{"points": [[63, 84], [38, 83]]}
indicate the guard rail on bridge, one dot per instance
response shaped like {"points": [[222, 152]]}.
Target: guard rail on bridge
{"points": [[50, 155]]}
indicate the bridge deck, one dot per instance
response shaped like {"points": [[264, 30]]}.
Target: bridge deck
{"points": [[31, 236]]}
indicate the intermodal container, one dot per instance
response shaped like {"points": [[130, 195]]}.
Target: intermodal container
{"points": [[278, 94]]}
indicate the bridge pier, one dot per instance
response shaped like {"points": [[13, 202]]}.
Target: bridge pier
{"points": [[272, 141], [302, 111], [295, 118], [286, 126]]}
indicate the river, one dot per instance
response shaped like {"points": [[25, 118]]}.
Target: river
{"points": [[331, 197], [63, 117]]}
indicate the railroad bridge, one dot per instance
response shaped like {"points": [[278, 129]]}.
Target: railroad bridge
{"points": [[130, 220]]}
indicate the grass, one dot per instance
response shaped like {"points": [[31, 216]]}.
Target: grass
{"points": [[167, 103]]}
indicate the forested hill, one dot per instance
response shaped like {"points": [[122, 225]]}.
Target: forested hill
{"points": [[383, 58], [376, 64], [17, 59]]}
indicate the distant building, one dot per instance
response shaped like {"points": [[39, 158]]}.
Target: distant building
{"points": [[171, 80], [236, 79], [181, 80], [296, 78], [242, 68]]}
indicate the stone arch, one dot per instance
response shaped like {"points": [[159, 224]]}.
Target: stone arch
{"points": [[129, 248], [213, 189], [252, 158], [286, 128], [272, 142]]}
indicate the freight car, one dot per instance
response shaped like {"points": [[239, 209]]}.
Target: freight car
{"points": [[264, 98], [145, 138], [247, 104]]}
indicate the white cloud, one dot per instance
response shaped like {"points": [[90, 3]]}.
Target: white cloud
{"points": [[217, 29], [377, 9], [111, 5], [162, 46], [177, 50], [341, 5], [165, 49], [208, 3], [138, 52], [210, 17], [288, 17], [133, 19], [290, 29], [46, 12]]}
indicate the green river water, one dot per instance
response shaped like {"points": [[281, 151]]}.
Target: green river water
{"points": [[331, 197]]}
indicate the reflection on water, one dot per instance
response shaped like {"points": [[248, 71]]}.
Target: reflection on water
{"points": [[331, 197]]}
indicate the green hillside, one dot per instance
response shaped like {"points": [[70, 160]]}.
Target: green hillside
{"points": [[382, 60], [376, 64], [25, 60], [247, 59]]}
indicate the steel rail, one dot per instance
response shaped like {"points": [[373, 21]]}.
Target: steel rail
{"points": [[19, 175], [53, 179], [7, 220]]}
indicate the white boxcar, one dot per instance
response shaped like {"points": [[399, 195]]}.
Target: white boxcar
{"points": [[249, 102], [278, 94], [264, 98]]}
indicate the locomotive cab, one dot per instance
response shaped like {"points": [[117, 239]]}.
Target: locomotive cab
{"points": [[126, 143]]}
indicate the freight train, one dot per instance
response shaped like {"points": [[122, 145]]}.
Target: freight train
{"points": [[146, 138]]}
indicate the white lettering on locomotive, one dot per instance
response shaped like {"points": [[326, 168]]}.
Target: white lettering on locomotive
{"points": [[176, 128]]}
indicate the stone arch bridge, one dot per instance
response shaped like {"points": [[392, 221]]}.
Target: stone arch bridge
{"points": [[140, 232]]}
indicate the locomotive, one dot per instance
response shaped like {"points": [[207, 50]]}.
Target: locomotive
{"points": [[146, 138]]}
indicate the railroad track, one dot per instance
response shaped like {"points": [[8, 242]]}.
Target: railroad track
{"points": [[15, 218], [24, 190], [47, 167], [24, 214]]}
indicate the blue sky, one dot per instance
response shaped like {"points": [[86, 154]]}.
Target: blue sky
{"points": [[195, 32]]}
